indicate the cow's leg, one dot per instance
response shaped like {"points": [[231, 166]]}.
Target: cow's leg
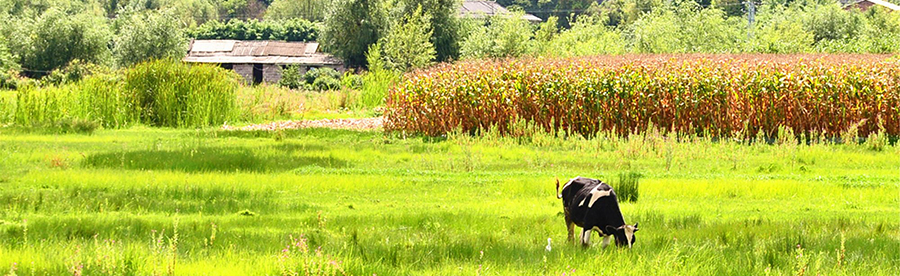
{"points": [[605, 241], [586, 237], [571, 227]]}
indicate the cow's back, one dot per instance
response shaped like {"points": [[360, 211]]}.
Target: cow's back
{"points": [[576, 201]]}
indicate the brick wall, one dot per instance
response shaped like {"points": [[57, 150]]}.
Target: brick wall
{"points": [[271, 73], [245, 70]]}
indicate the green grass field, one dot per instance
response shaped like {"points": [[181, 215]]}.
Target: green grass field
{"points": [[144, 201]]}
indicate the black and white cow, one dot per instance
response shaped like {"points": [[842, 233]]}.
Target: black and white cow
{"points": [[592, 205]]}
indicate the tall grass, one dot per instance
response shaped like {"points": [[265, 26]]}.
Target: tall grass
{"points": [[157, 93], [174, 94], [7, 107]]}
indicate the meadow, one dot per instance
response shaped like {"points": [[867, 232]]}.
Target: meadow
{"points": [[161, 201]]}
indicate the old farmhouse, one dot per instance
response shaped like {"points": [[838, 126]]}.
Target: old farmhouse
{"points": [[482, 9], [260, 61]]}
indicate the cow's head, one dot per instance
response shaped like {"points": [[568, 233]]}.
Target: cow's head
{"points": [[624, 234]]}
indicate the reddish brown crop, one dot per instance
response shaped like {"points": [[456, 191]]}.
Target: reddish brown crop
{"points": [[716, 95]]}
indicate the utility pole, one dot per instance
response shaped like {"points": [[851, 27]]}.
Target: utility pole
{"points": [[751, 17]]}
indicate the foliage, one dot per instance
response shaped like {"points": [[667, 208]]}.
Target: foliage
{"points": [[506, 35], [147, 36], [56, 38], [588, 36], [9, 67], [444, 24], [352, 81], [173, 94], [706, 95], [97, 98], [312, 10], [288, 30], [686, 28], [73, 72], [351, 26], [291, 77], [158, 93], [781, 30], [407, 45], [319, 73], [377, 80], [326, 84]]}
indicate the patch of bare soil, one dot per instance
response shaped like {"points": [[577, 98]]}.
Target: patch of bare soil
{"points": [[353, 124]]}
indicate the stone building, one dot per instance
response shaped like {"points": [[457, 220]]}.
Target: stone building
{"points": [[262, 60]]}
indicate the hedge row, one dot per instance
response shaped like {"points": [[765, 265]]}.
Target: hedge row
{"points": [[717, 95], [286, 30]]}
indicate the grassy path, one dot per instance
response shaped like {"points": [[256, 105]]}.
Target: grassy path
{"points": [[331, 202]]}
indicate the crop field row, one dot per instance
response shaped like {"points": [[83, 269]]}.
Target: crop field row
{"points": [[143, 201], [712, 95]]}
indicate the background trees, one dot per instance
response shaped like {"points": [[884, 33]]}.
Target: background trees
{"points": [[56, 38], [147, 36]]}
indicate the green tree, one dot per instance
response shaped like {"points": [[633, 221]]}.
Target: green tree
{"points": [[313, 10], [9, 68], [149, 35], [445, 25], [507, 35], [351, 26], [408, 43], [588, 36], [56, 38], [780, 30]]}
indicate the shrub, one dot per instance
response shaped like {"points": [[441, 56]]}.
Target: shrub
{"points": [[352, 81], [292, 78], [73, 72], [287, 29], [713, 95], [316, 73], [326, 83]]}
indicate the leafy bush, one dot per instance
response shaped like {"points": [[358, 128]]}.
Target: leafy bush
{"points": [[287, 30], [312, 10], [319, 73], [352, 81], [73, 72], [292, 78], [326, 83], [711, 95]]}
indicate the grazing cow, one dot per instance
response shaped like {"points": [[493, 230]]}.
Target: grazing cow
{"points": [[592, 205]]}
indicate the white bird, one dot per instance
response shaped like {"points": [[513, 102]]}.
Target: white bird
{"points": [[548, 245]]}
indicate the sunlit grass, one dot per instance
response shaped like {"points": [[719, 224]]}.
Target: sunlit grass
{"points": [[110, 203]]}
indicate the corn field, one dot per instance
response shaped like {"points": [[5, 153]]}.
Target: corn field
{"points": [[710, 95]]}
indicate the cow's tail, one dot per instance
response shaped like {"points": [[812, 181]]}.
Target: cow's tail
{"points": [[558, 195]]}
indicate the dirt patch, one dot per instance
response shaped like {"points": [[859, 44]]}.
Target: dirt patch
{"points": [[354, 124]]}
